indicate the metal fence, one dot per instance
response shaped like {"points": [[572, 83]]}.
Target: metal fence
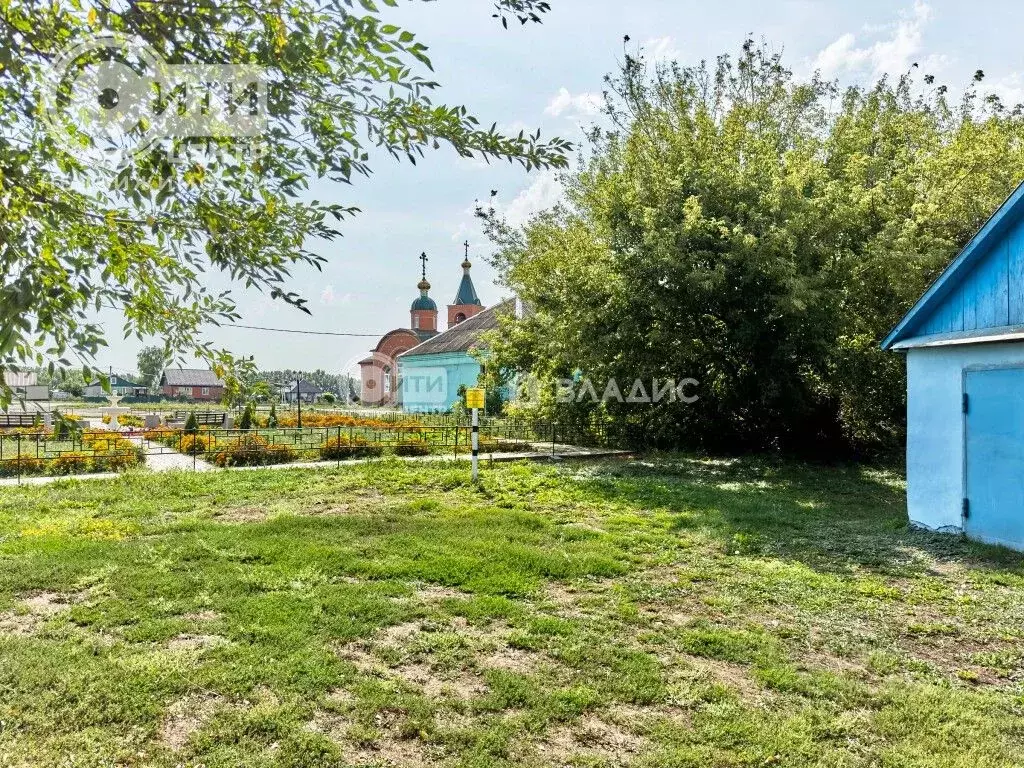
{"points": [[34, 451]]}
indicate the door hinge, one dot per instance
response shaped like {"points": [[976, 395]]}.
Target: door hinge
{"points": [[967, 508], [966, 402]]}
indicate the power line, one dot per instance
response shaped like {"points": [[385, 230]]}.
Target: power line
{"points": [[308, 333]]}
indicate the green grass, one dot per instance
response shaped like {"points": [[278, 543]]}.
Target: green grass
{"points": [[668, 612]]}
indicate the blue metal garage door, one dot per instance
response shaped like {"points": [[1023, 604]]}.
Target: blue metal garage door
{"points": [[995, 456]]}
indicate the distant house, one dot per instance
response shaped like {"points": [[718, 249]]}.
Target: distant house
{"points": [[304, 389], [26, 385], [119, 385], [193, 383]]}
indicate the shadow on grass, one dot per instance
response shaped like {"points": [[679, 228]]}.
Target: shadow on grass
{"points": [[832, 518]]}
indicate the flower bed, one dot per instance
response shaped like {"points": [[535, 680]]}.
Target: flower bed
{"points": [[253, 450], [94, 452]]}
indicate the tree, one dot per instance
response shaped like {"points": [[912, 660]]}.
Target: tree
{"points": [[142, 235], [759, 234], [245, 422], [71, 381], [152, 361]]}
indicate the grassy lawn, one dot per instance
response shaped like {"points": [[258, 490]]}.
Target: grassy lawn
{"points": [[670, 612]]}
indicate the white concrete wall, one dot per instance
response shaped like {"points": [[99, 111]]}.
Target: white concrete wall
{"points": [[935, 426]]}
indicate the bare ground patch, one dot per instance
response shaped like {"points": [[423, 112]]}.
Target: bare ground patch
{"points": [[242, 515], [185, 717], [435, 684], [188, 642], [510, 660], [32, 610], [202, 616], [591, 738], [734, 676]]}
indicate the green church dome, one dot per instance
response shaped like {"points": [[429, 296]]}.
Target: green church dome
{"points": [[424, 302]]}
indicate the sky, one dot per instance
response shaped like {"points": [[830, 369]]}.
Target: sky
{"points": [[549, 76]]}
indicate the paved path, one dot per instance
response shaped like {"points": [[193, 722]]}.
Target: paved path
{"points": [[160, 458]]}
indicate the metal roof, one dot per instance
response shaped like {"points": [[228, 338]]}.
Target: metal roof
{"points": [[305, 387], [953, 275], [467, 292], [21, 378], [465, 335], [118, 381], [190, 377]]}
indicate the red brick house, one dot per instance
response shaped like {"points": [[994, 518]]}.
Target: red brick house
{"points": [[193, 383]]}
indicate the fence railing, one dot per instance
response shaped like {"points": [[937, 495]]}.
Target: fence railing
{"points": [[34, 451]]}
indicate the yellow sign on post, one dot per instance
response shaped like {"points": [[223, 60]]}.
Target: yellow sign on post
{"points": [[475, 397]]}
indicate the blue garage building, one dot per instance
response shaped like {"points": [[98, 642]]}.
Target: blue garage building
{"points": [[965, 378]]}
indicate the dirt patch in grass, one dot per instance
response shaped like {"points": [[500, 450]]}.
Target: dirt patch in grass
{"points": [[51, 603], [18, 625], [195, 642], [357, 655], [434, 593], [399, 634], [436, 685], [34, 609], [185, 717], [242, 515], [736, 677], [592, 738], [202, 616], [510, 660], [390, 751]]}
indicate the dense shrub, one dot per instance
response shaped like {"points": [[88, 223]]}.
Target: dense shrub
{"points": [[192, 423], [413, 447], [281, 454], [272, 418], [124, 455], [193, 445], [341, 447], [164, 435], [252, 450], [23, 465], [71, 463], [504, 446]]}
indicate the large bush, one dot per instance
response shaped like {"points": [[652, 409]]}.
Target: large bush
{"points": [[252, 450], [342, 447], [760, 234]]}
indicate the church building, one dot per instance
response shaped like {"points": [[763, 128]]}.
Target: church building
{"points": [[421, 368]]}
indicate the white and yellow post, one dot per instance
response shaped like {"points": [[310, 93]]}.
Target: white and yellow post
{"points": [[475, 399]]}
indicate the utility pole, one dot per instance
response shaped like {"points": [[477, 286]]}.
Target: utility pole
{"points": [[298, 400]]}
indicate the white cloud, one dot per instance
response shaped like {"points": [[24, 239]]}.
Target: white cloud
{"points": [[1009, 89], [573, 105], [329, 297], [543, 193], [661, 49], [893, 54]]}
